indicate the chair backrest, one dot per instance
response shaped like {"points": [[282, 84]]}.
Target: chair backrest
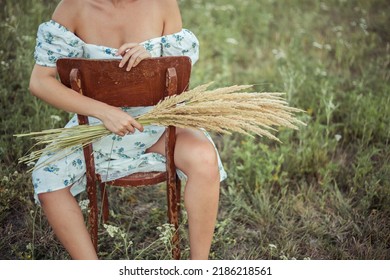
{"points": [[143, 85]]}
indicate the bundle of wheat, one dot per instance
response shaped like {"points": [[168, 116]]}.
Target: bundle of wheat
{"points": [[223, 110]]}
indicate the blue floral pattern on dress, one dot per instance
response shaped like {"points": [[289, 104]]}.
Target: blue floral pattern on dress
{"points": [[51, 168], [115, 156]]}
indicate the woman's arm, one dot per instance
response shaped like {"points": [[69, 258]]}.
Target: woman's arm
{"points": [[44, 85], [172, 16]]}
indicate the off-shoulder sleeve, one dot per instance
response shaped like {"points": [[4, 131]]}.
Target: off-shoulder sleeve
{"points": [[181, 43], [54, 41]]}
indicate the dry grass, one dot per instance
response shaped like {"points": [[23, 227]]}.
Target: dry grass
{"points": [[222, 110]]}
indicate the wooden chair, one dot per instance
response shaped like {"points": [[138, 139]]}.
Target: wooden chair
{"points": [[145, 85]]}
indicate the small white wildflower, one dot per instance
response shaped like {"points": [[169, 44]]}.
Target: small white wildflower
{"points": [[55, 118], [331, 105], [338, 30], [4, 63], [111, 230], [328, 47], [320, 72], [283, 257], [84, 204], [209, 6], [279, 54], [337, 137], [272, 246], [26, 38], [363, 25], [166, 233], [317, 45], [5, 179], [225, 8], [231, 41], [324, 6]]}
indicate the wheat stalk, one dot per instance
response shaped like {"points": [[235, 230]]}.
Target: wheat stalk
{"points": [[223, 110]]}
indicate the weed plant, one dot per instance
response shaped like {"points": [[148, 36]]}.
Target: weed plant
{"points": [[324, 193]]}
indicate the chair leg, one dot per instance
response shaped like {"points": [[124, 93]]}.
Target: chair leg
{"points": [[105, 206], [178, 196], [173, 216], [93, 213], [176, 236]]}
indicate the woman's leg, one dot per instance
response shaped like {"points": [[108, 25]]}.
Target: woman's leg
{"points": [[66, 219], [196, 157]]}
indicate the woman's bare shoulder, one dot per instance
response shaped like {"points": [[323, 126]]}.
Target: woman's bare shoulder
{"points": [[167, 5], [171, 15], [67, 13]]}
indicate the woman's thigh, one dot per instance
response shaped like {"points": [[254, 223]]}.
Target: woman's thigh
{"points": [[193, 151]]}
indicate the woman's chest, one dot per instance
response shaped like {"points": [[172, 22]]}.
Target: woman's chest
{"points": [[113, 28]]}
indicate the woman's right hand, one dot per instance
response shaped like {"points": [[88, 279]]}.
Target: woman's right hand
{"points": [[119, 122], [43, 84]]}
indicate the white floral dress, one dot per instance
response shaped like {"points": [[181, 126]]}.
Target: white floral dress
{"points": [[115, 156]]}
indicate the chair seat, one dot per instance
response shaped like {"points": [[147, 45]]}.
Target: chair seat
{"points": [[138, 179]]}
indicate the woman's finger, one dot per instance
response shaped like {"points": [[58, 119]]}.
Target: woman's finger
{"points": [[136, 58], [131, 125], [122, 49], [141, 57], [127, 53], [126, 56], [138, 126]]}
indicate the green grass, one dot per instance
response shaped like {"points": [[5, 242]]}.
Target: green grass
{"points": [[322, 194]]}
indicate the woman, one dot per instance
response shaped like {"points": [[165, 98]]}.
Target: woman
{"points": [[130, 30]]}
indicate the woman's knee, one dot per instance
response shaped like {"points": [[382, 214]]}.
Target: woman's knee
{"points": [[204, 154], [200, 159]]}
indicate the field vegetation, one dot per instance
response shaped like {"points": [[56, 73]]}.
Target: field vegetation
{"points": [[324, 193]]}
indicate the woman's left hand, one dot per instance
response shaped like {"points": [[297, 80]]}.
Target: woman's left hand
{"points": [[132, 53]]}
